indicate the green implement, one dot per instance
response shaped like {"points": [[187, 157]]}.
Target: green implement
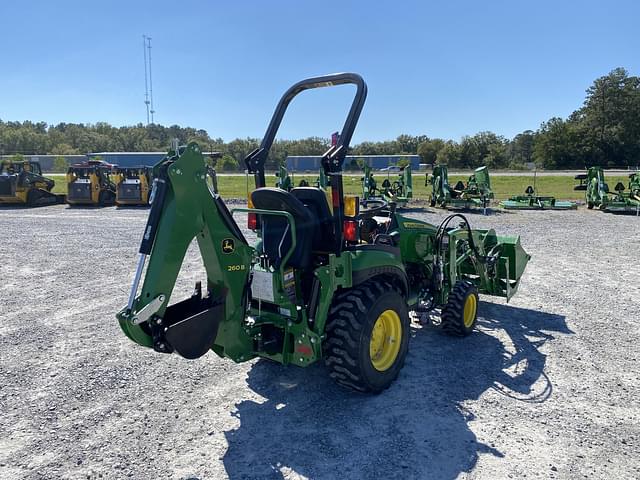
{"points": [[531, 201], [398, 191], [597, 194], [476, 193], [324, 280], [596, 190], [284, 180], [626, 202]]}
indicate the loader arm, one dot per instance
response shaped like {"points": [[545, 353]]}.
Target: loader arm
{"points": [[183, 209]]}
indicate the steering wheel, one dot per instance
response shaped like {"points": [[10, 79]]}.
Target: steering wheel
{"points": [[375, 206]]}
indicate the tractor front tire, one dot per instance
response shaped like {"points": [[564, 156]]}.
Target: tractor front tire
{"points": [[460, 314], [367, 336], [590, 205]]}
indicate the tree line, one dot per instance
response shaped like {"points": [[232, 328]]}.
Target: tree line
{"points": [[604, 131]]}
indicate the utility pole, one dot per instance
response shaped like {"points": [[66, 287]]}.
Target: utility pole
{"points": [[152, 111], [146, 75], [148, 80]]}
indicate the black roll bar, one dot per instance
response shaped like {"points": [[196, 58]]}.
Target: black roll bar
{"points": [[332, 159]]}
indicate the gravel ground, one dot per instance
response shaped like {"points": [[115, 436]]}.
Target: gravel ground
{"points": [[546, 388]]}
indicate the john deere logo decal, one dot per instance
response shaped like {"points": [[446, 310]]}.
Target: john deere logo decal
{"points": [[228, 246]]}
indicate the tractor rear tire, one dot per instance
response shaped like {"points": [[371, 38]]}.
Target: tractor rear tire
{"points": [[460, 314], [367, 336]]}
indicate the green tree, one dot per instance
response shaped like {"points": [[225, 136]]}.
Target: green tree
{"points": [[449, 154], [428, 150], [64, 149], [609, 120], [227, 163], [483, 148], [520, 150], [556, 145], [60, 164]]}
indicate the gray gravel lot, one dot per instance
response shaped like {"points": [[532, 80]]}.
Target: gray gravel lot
{"points": [[548, 387]]}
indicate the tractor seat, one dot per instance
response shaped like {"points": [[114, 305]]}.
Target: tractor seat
{"points": [[315, 200], [276, 237]]}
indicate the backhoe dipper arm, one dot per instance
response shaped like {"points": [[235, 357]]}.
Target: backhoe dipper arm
{"points": [[184, 208]]}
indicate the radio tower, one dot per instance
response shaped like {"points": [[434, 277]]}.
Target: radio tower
{"points": [[148, 81]]}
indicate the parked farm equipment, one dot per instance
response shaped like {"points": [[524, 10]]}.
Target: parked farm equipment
{"points": [[476, 193], [284, 181], [398, 191], [133, 185], [595, 188], [325, 279], [90, 183], [532, 201], [626, 202], [597, 194], [22, 183]]}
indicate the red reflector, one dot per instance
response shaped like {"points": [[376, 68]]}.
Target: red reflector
{"points": [[304, 349], [335, 198], [350, 229], [252, 221]]}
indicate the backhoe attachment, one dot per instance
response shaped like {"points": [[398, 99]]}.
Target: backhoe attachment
{"points": [[185, 208]]}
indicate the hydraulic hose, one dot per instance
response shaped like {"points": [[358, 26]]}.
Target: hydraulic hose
{"points": [[442, 230]]}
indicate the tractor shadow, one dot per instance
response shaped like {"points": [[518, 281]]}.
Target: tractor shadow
{"points": [[416, 429]]}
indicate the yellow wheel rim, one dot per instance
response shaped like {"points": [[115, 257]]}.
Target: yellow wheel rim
{"points": [[385, 341], [470, 309]]}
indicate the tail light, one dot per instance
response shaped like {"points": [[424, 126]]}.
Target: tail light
{"points": [[350, 230], [252, 218], [252, 221]]}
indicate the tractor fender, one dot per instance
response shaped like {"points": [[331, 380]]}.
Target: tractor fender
{"points": [[369, 261]]}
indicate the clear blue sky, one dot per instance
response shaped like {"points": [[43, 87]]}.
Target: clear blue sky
{"points": [[444, 70]]}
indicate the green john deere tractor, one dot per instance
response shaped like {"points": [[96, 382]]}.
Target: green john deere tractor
{"points": [[325, 280], [476, 193]]}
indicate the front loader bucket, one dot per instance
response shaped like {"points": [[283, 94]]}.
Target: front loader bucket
{"points": [[510, 265]]}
